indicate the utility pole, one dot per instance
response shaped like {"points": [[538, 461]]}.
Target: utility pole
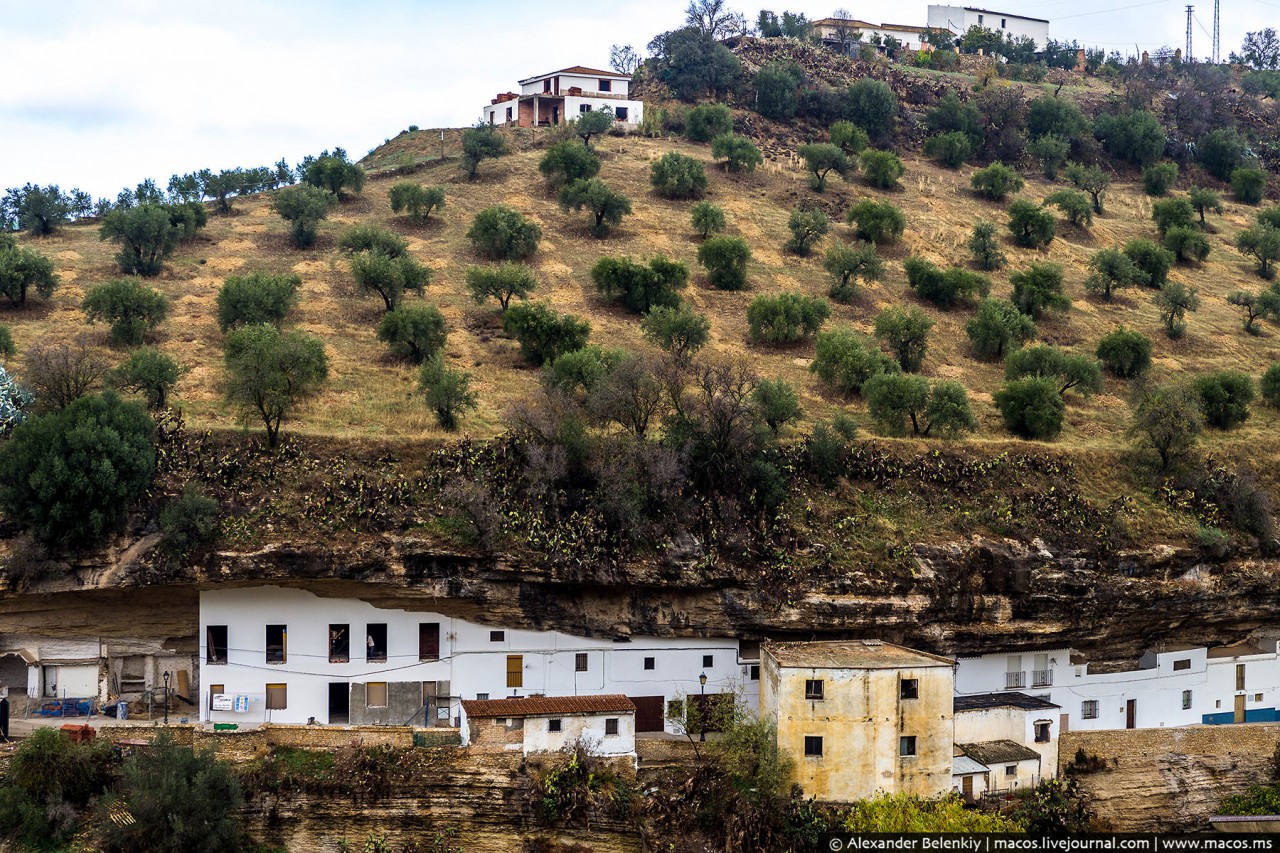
{"points": [[1217, 32], [1187, 55]]}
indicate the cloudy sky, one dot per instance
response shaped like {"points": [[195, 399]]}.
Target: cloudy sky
{"points": [[100, 94]]}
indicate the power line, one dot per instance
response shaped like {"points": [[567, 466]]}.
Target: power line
{"points": [[1109, 11]]}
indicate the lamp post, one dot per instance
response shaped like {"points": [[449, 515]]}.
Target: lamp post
{"points": [[702, 706], [166, 698]]}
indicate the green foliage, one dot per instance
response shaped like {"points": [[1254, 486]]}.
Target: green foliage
{"points": [[951, 115], [1054, 808], [70, 476], [304, 207], [593, 123], [823, 158], [149, 372], [7, 348], [707, 218], [1031, 408], [1262, 243], [985, 247], [944, 288], [1090, 179], [1051, 151], [414, 332], [1221, 152], [778, 90], [1249, 185], [1188, 245], [725, 260], [1050, 116], [1110, 269], [501, 233], [997, 328], [911, 813], [693, 64], [845, 360], [1136, 137], [1204, 200], [1074, 205], [881, 169], [738, 152], [707, 121], [146, 235], [1169, 420], [807, 228], [373, 238], [1126, 353], [1174, 300], [678, 176], [996, 182], [49, 777], [250, 300], [605, 204], [1270, 385], [776, 403], [1031, 225], [22, 269], [270, 373], [189, 521], [829, 447], [1254, 306], [416, 200], [502, 282], [1173, 213], [1068, 370], [389, 277], [581, 369], [950, 149], [638, 286], [334, 173], [877, 221], [1225, 396], [1152, 258], [872, 106], [848, 137], [678, 329], [132, 309], [36, 209], [1157, 180], [566, 162], [786, 318], [480, 143], [846, 264], [543, 334], [1258, 799], [1038, 289], [941, 409], [447, 391], [905, 333]]}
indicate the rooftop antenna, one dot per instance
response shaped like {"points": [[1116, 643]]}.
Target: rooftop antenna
{"points": [[1186, 52], [1217, 32]]}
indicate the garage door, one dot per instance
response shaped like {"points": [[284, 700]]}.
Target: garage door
{"points": [[79, 682], [649, 713]]}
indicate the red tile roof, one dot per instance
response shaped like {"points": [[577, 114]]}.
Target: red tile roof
{"points": [[578, 69], [542, 706]]}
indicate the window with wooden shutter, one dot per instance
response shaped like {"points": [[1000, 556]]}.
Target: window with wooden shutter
{"points": [[375, 694], [277, 697], [429, 641], [515, 670], [277, 643]]}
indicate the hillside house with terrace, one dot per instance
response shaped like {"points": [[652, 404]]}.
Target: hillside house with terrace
{"points": [[553, 98]]}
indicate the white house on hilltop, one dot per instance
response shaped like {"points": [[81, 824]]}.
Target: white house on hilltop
{"points": [[607, 724], [839, 30], [959, 19], [557, 96]]}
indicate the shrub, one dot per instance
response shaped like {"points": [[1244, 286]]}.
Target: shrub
{"points": [[1047, 115], [271, 373], [501, 282], [725, 260], [149, 372], [829, 447], [678, 329], [543, 334], [52, 778], [1136, 137], [985, 248], [949, 149], [848, 137], [872, 106], [822, 158], [1091, 180], [21, 269], [1074, 205], [1262, 243], [1051, 151], [1110, 269], [997, 328], [1270, 385], [7, 349], [1068, 370], [389, 277], [944, 288], [846, 263], [1169, 420], [250, 300], [1269, 217], [70, 476], [905, 333], [334, 173], [707, 218], [1203, 200], [1173, 213], [996, 182], [606, 205], [739, 153], [1038, 289], [303, 207], [1031, 408], [881, 169], [592, 123], [1153, 259], [146, 235], [1187, 244], [415, 199], [845, 360], [1220, 152], [189, 521], [373, 238], [1031, 225], [877, 221], [775, 402], [949, 115], [501, 233], [61, 373], [566, 162], [640, 287], [941, 409], [447, 391], [481, 143], [787, 318], [707, 121], [414, 332], [1125, 353], [1174, 301], [777, 90], [1157, 180], [677, 176], [132, 309], [807, 227], [1225, 396]]}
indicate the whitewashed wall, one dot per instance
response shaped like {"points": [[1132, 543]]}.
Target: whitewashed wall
{"points": [[585, 727], [958, 19]]}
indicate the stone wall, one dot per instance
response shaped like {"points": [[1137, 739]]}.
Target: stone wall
{"points": [[250, 743], [1169, 779]]}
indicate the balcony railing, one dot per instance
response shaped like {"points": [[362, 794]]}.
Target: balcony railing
{"points": [[1015, 680], [1041, 678]]}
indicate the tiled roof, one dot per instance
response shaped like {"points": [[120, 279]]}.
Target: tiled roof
{"points": [[1003, 700], [992, 752], [542, 706], [853, 654], [579, 69]]}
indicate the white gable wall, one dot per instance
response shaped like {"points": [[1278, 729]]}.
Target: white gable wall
{"points": [[959, 19]]}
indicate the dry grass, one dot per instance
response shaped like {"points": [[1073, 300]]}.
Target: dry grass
{"points": [[371, 395]]}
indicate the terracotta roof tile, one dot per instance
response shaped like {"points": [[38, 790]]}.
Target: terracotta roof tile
{"points": [[539, 706], [853, 654]]}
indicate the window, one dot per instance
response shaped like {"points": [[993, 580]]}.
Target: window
{"points": [[375, 694], [812, 746], [708, 661], [650, 663], [1042, 732], [216, 644], [605, 86], [375, 642], [813, 688], [546, 85], [277, 697], [1089, 709], [1239, 676], [1184, 663], [907, 745], [755, 672], [553, 725], [979, 20], [584, 108], [515, 670], [1011, 770], [508, 113], [428, 641], [482, 696], [909, 688], [1186, 700], [497, 636], [611, 726], [620, 113], [1257, 697], [339, 643], [580, 662], [276, 643], [1004, 23], [1217, 703]]}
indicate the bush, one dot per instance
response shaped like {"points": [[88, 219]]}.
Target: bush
{"points": [[1153, 259], [997, 328], [389, 277], [872, 106], [1111, 269], [640, 287], [941, 409], [1262, 243], [51, 778], [373, 238], [677, 176], [303, 207], [1051, 151], [1074, 205], [844, 360], [7, 349], [566, 162], [985, 248], [950, 149], [944, 288], [250, 300], [188, 522], [739, 153], [822, 158], [848, 263], [707, 121], [707, 218], [1044, 361], [1136, 137], [905, 333], [1047, 115], [1203, 200], [1225, 396], [1091, 180], [415, 199], [1173, 213], [334, 173], [1157, 180], [1174, 301], [775, 402], [951, 115], [807, 227], [877, 221], [1249, 185], [543, 334], [1038, 289], [787, 318], [447, 391], [679, 329], [1031, 225], [1125, 353], [881, 169], [501, 233], [271, 373], [1169, 420], [725, 260], [777, 90], [592, 123], [21, 269], [848, 137], [996, 182], [502, 282], [1188, 245], [149, 372], [70, 476], [581, 369], [481, 143], [62, 373], [1031, 408], [132, 309], [146, 235], [829, 447], [414, 332], [605, 204], [1270, 385], [1220, 152]]}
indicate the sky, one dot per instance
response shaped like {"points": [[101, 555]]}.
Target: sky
{"points": [[100, 94]]}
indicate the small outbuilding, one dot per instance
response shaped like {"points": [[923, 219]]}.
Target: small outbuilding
{"points": [[1010, 765], [550, 723]]}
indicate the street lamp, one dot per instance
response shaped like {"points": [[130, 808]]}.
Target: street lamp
{"points": [[166, 698], [702, 705]]}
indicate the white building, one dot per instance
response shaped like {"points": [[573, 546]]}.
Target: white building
{"points": [[1010, 765], [842, 30], [987, 723], [959, 19], [606, 724], [287, 655], [84, 668], [557, 96]]}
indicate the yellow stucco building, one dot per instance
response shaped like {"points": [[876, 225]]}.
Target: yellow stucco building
{"points": [[861, 716]]}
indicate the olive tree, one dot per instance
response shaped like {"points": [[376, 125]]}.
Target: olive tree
{"points": [[250, 300], [566, 162], [1111, 269], [415, 199], [680, 330], [502, 282], [150, 373], [414, 332], [1168, 419], [132, 309], [605, 204], [707, 218], [807, 228], [22, 269], [821, 159], [480, 143], [303, 206], [905, 333], [501, 233], [997, 328], [388, 276], [846, 263], [271, 373]]}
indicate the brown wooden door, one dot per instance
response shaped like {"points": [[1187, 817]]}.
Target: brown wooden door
{"points": [[1131, 714], [650, 713], [966, 788], [1239, 715]]}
